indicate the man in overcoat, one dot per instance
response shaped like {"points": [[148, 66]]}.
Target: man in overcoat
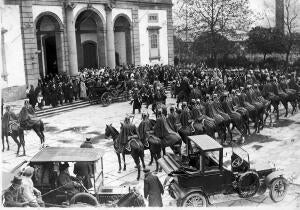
{"points": [[153, 189]]}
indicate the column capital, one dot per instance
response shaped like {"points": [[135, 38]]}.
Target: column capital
{"points": [[3, 30], [68, 4], [109, 6]]}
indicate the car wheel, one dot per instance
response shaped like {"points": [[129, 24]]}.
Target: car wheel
{"points": [[194, 200], [248, 184], [84, 198], [106, 99], [278, 189]]}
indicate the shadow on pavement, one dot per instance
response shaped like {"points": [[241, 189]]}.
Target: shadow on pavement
{"points": [[284, 123], [74, 129], [51, 129], [259, 139]]}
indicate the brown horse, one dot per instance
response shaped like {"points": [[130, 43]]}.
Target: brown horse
{"points": [[136, 149], [14, 131]]}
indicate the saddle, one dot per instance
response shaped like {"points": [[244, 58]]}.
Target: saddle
{"points": [[134, 139], [13, 125]]}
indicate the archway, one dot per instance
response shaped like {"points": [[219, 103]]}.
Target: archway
{"points": [[123, 40], [49, 43], [90, 40]]}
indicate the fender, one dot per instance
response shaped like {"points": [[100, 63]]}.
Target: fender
{"points": [[272, 176]]}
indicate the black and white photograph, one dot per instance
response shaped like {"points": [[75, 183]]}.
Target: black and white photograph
{"points": [[150, 103]]}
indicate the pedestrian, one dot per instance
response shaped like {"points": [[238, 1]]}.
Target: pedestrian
{"points": [[83, 94], [14, 195], [32, 97], [31, 194], [87, 144], [153, 189]]}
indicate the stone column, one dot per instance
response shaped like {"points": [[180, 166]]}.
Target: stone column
{"points": [[110, 40], [71, 37]]}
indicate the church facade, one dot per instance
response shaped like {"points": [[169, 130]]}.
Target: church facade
{"points": [[40, 37]]}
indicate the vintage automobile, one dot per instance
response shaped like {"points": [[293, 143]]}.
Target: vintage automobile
{"points": [[46, 164], [194, 179]]}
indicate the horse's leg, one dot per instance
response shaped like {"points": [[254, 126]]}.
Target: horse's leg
{"points": [[119, 160], [36, 130], [22, 140], [124, 167], [151, 159], [136, 159], [142, 155], [3, 141], [286, 107], [14, 136]]}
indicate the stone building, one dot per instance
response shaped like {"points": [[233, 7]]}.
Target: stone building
{"points": [[39, 37]]}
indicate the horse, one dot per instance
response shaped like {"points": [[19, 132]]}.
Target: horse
{"points": [[235, 117], [211, 112], [149, 140], [132, 199], [292, 96], [243, 111], [16, 131], [136, 151], [168, 137], [253, 113]]}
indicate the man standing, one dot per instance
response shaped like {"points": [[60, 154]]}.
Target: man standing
{"points": [[31, 194], [153, 189], [87, 144], [14, 195]]}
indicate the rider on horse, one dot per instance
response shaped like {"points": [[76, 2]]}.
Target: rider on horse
{"points": [[144, 127], [7, 118], [127, 130], [27, 116]]}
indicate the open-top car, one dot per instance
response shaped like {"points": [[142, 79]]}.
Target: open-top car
{"points": [[46, 172], [194, 179]]}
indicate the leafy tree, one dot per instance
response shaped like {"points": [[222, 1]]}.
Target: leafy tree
{"points": [[219, 17], [264, 40], [203, 45]]}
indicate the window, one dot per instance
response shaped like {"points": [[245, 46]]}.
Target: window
{"points": [[154, 44], [153, 18], [153, 41]]}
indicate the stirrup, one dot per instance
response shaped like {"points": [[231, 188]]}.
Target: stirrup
{"points": [[128, 148]]}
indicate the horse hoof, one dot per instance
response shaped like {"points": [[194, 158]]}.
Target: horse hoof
{"points": [[119, 171]]}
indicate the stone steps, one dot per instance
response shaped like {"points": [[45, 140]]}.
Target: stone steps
{"points": [[68, 107]]}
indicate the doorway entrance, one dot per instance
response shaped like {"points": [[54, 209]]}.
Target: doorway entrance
{"points": [[49, 42], [50, 56], [90, 54]]}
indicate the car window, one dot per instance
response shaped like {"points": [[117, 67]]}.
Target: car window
{"points": [[211, 161]]}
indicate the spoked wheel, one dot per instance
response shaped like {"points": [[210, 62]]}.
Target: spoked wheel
{"points": [[278, 189], [248, 184], [194, 200], [106, 99]]}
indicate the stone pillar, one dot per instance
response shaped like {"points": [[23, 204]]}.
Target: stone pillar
{"points": [[71, 37], [170, 37], [135, 37], [110, 40]]}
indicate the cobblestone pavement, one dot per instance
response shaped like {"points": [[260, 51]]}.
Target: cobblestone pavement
{"points": [[278, 144]]}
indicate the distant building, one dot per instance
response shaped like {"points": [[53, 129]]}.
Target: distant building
{"points": [[40, 37]]}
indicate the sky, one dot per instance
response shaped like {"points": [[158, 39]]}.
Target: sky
{"points": [[263, 9]]}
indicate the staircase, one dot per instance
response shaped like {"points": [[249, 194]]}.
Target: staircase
{"points": [[46, 112]]}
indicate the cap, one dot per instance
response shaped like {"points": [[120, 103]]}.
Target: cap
{"points": [[17, 180], [28, 171], [63, 166], [146, 170]]}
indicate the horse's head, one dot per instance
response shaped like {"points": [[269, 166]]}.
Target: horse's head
{"points": [[108, 131]]}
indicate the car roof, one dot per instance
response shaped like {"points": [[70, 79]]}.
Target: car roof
{"points": [[68, 154], [205, 142]]}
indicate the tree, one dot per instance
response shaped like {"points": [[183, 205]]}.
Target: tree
{"points": [[260, 41], [219, 17], [265, 41], [291, 9], [203, 44]]}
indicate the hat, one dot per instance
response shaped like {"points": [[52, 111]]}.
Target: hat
{"points": [[28, 171], [146, 170], [17, 180], [88, 139], [64, 166]]}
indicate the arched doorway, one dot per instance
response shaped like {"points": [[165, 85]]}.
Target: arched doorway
{"points": [[122, 40], [49, 42], [90, 54], [90, 40]]}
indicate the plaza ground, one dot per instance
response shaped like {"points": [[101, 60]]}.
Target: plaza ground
{"points": [[278, 144]]}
